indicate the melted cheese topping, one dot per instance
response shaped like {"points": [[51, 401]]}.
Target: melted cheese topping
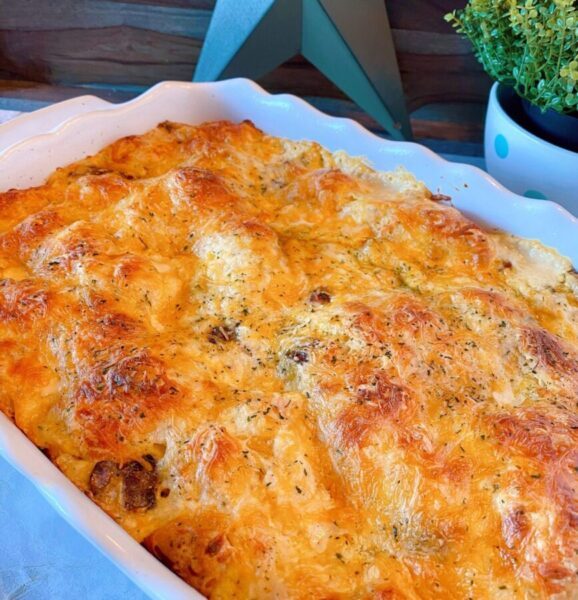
{"points": [[290, 376]]}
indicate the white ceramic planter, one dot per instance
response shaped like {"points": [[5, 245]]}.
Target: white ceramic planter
{"points": [[525, 163]]}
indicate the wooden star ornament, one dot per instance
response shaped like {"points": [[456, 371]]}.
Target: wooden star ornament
{"points": [[349, 42]]}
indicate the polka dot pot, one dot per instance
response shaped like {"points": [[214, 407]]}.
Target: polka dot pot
{"points": [[526, 164]]}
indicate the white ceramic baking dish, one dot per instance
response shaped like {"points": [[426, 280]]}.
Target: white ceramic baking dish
{"points": [[32, 146]]}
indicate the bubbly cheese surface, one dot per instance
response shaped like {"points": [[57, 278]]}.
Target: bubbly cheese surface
{"points": [[291, 376]]}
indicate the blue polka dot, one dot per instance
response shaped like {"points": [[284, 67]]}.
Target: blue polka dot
{"points": [[535, 194], [501, 146]]}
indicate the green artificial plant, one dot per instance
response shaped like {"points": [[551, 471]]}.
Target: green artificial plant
{"points": [[530, 45]]}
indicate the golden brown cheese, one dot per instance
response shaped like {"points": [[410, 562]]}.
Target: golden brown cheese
{"points": [[290, 376]]}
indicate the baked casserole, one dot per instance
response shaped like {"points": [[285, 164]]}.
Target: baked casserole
{"points": [[290, 376]]}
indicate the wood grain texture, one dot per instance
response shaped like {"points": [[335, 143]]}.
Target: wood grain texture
{"points": [[421, 15], [105, 55], [141, 42], [208, 4], [25, 96], [63, 15]]}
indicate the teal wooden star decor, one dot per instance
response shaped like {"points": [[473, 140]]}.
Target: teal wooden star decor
{"points": [[349, 42]]}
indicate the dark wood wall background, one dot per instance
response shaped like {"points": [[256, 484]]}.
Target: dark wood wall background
{"points": [[51, 48]]}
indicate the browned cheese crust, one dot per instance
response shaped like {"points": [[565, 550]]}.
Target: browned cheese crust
{"points": [[291, 376]]}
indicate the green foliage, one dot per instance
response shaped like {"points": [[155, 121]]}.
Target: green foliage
{"points": [[531, 45]]}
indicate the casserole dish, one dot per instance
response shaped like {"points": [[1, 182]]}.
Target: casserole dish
{"points": [[472, 191]]}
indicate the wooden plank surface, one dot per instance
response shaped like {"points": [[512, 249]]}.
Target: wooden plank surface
{"points": [[137, 43], [63, 15]]}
